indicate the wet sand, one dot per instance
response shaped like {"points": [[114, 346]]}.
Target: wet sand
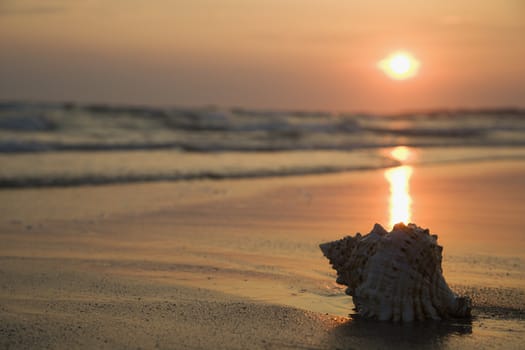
{"points": [[236, 264]]}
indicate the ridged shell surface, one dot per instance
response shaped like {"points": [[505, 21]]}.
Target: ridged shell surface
{"points": [[395, 275]]}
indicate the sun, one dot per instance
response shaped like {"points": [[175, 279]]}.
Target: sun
{"points": [[399, 65]]}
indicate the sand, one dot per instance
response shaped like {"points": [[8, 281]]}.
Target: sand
{"points": [[235, 264], [55, 303]]}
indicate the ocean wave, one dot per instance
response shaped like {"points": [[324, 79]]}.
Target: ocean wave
{"points": [[74, 168], [61, 169], [432, 132], [70, 145], [26, 127]]}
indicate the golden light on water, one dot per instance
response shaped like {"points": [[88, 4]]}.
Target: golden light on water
{"points": [[399, 65], [400, 200], [401, 153], [398, 178]]}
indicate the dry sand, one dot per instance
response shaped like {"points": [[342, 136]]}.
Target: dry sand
{"points": [[235, 264]]}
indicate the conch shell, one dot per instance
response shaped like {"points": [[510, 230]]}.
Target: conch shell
{"points": [[395, 275]]}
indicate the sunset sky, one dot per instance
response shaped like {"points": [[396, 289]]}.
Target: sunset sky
{"points": [[298, 54]]}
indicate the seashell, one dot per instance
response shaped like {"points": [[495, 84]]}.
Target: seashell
{"points": [[395, 275]]}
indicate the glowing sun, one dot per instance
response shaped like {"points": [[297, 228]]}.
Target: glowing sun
{"points": [[399, 65]]}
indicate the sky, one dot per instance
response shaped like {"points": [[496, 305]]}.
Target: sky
{"points": [[281, 54]]}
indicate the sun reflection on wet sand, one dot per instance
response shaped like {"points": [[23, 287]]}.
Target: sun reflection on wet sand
{"points": [[398, 178], [400, 200]]}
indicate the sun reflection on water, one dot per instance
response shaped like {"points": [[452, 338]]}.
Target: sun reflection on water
{"points": [[400, 201]]}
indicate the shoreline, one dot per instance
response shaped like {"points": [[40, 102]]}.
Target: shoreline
{"points": [[74, 169], [241, 260]]}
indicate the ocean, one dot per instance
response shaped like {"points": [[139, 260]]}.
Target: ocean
{"points": [[66, 144], [95, 253]]}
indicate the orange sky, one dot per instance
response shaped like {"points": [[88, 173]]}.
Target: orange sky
{"points": [[300, 54]]}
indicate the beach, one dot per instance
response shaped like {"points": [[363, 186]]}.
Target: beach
{"points": [[262, 175], [235, 263]]}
